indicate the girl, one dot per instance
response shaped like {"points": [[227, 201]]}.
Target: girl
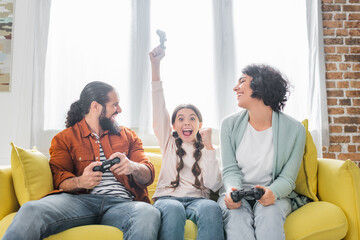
{"points": [[189, 168], [263, 148]]}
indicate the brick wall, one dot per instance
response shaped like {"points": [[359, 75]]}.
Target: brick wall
{"points": [[341, 26]]}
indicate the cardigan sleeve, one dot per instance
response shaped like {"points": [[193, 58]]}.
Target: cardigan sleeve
{"points": [[286, 173], [231, 173]]}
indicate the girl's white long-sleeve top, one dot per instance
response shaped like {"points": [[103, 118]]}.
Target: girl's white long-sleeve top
{"points": [[210, 176]]}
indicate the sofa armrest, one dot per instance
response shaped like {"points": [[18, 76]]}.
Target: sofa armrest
{"points": [[339, 183], [8, 198]]}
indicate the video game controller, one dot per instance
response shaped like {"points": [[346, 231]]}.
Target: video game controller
{"points": [[162, 36], [254, 193], [106, 165]]}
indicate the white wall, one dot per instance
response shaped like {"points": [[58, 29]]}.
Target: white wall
{"points": [[16, 105]]}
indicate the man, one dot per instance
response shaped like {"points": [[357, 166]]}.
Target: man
{"points": [[117, 197]]}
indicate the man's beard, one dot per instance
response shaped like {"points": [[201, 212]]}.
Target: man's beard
{"points": [[107, 124]]}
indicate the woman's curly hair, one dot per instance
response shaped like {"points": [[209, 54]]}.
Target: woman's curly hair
{"points": [[269, 85]]}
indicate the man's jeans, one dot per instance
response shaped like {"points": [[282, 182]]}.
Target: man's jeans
{"points": [[205, 213], [257, 222], [56, 213]]}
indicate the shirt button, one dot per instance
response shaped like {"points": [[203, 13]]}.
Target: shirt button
{"points": [[97, 158]]}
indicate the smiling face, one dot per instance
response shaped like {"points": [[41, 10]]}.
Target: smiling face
{"points": [[244, 91], [109, 113], [187, 124]]}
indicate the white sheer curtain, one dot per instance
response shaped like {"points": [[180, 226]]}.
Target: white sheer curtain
{"points": [[208, 44]]}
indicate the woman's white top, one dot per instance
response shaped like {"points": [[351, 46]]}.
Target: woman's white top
{"points": [[255, 157], [210, 177]]}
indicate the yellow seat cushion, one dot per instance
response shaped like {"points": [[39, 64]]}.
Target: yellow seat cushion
{"points": [[306, 182], [316, 221], [156, 160], [31, 174], [89, 232]]}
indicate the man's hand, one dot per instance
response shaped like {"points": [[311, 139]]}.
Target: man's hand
{"points": [[124, 167], [206, 138], [89, 179], [230, 204], [268, 198]]}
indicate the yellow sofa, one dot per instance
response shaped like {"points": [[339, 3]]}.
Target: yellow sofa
{"points": [[334, 216]]}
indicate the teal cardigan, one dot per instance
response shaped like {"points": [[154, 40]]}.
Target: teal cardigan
{"points": [[289, 141]]}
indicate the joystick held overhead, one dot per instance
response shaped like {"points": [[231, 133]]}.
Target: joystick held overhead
{"points": [[162, 36]]}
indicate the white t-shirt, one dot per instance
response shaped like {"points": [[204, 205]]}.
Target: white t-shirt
{"points": [[255, 156]]}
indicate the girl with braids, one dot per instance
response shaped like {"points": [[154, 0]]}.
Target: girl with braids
{"points": [[189, 169]]}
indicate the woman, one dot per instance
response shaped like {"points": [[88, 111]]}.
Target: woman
{"points": [[261, 147]]}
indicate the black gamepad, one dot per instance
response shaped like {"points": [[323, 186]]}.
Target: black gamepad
{"points": [[254, 193], [106, 165]]}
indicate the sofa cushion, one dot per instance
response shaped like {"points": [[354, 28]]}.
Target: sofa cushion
{"points": [[316, 220], [306, 182], [156, 160], [339, 184], [31, 174]]}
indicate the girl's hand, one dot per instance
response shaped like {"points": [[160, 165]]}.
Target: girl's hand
{"points": [[156, 55], [229, 203], [268, 198], [206, 138]]}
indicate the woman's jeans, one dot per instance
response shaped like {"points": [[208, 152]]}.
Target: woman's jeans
{"points": [[56, 213], [257, 222], [205, 213]]}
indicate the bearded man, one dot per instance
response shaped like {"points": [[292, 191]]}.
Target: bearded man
{"points": [[116, 197]]}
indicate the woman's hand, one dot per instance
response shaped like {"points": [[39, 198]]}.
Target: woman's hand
{"points": [[268, 198], [229, 203]]}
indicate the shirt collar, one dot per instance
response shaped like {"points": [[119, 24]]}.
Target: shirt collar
{"points": [[85, 130]]}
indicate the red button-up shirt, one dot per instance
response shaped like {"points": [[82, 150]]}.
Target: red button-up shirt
{"points": [[76, 147]]}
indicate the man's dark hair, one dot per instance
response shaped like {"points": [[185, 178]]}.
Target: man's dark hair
{"points": [[93, 91], [269, 85]]}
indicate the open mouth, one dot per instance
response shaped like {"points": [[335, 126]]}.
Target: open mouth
{"points": [[187, 132]]}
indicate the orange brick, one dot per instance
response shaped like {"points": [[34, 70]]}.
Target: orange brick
{"points": [[352, 75], [347, 120], [352, 24], [339, 16], [342, 84], [351, 8], [326, 1], [333, 41], [342, 49], [335, 93], [333, 24], [339, 139], [329, 155], [352, 156], [330, 8], [335, 148], [345, 66], [334, 58], [350, 129], [355, 84], [345, 102], [356, 139], [355, 93], [356, 102], [330, 84], [354, 1], [328, 16], [328, 49], [342, 32], [331, 66], [335, 129], [356, 67], [329, 32], [355, 49], [351, 148], [352, 41], [352, 58], [334, 75], [336, 111], [332, 101], [354, 32], [354, 16], [353, 111]]}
